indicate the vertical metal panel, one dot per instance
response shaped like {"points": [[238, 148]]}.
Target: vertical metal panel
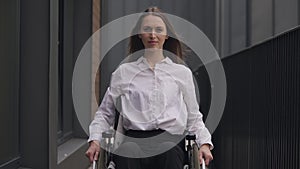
{"points": [[130, 6], [34, 80], [82, 27], [218, 25], [286, 15], [258, 108], [232, 26], [225, 27], [53, 84], [202, 13], [9, 86], [232, 136], [298, 13], [68, 59], [261, 20], [238, 25]]}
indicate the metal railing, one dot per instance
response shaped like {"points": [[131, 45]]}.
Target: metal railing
{"points": [[260, 127]]}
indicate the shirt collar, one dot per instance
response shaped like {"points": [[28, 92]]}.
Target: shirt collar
{"points": [[143, 59]]}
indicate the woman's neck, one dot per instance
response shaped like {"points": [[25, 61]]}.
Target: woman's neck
{"points": [[153, 56]]}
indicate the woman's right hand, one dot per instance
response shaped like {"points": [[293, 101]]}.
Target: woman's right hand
{"points": [[93, 151]]}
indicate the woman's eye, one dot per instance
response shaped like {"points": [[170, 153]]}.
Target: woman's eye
{"points": [[159, 30], [147, 29], [150, 29]]}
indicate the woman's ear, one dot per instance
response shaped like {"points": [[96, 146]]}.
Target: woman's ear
{"points": [[139, 35]]}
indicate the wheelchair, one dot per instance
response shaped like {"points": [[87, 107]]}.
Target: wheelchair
{"points": [[105, 160]]}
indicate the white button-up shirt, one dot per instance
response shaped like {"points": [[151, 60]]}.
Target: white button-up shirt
{"points": [[159, 98]]}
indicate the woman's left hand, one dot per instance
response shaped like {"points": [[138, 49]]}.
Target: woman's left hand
{"points": [[204, 152]]}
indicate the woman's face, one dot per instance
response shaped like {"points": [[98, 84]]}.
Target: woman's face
{"points": [[153, 32]]}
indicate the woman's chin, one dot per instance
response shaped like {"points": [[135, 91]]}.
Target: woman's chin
{"points": [[153, 48]]}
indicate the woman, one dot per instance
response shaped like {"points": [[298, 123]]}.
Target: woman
{"points": [[157, 98]]}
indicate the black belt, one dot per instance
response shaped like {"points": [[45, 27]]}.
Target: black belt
{"points": [[161, 136], [143, 133]]}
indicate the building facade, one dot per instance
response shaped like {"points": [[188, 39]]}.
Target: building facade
{"points": [[41, 40]]}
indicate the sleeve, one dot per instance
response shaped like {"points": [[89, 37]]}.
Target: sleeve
{"points": [[105, 116], [195, 124]]}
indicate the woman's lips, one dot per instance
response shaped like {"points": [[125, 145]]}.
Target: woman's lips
{"points": [[152, 42]]}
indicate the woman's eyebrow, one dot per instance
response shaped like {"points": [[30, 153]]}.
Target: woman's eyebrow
{"points": [[146, 26]]}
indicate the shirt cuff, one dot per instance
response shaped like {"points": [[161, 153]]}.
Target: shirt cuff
{"points": [[211, 146], [94, 137]]}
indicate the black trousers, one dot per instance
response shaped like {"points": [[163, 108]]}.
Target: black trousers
{"points": [[150, 150]]}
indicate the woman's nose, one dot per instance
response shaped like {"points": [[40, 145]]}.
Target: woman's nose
{"points": [[152, 34]]}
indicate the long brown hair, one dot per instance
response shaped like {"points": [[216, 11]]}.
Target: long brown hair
{"points": [[172, 44]]}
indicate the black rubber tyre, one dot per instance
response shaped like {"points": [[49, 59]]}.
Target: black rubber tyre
{"points": [[102, 159], [195, 162]]}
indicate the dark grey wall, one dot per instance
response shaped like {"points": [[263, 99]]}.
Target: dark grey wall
{"points": [[34, 80], [244, 23], [286, 15], [28, 42], [82, 30], [24, 89], [231, 26], [9, 86]]}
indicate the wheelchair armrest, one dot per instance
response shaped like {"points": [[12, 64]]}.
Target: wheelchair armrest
{"points": [[105, 156], [189, 140], [190, 137], [108, 134], [108, 140]]}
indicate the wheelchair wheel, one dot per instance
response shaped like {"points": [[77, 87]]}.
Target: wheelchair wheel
{"points": [[195, 159], [102, 159]]}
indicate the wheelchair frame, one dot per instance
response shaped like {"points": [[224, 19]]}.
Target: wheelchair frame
{"points": [[105, 160]]}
